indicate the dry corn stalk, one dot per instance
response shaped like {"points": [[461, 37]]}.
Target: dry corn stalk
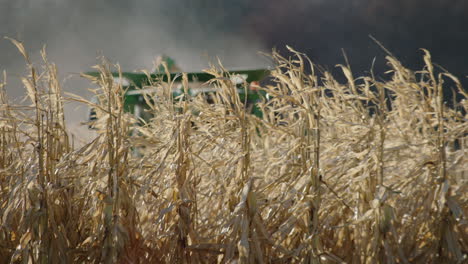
{"points": [[333, 172]]}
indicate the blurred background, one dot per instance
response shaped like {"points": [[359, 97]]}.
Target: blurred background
{"points": [[195, 32]]}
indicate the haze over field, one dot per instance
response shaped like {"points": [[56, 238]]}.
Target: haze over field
{"points": [[76, 32], [195, 32]]}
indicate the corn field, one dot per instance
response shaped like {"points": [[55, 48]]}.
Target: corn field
{"points": [[333, 173]]}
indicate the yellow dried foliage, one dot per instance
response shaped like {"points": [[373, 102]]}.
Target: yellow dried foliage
{"points": [[332, 173]]}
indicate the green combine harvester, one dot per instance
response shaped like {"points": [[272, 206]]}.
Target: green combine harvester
{"points": [[136, 86]]}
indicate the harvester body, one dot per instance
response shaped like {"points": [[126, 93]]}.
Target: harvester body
{"points": [[137, 85]]}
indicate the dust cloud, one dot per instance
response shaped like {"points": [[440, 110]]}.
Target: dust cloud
{"points": [[131, 34]]}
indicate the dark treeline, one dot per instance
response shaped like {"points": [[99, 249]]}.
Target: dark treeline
{"points": [[322, 28]]}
